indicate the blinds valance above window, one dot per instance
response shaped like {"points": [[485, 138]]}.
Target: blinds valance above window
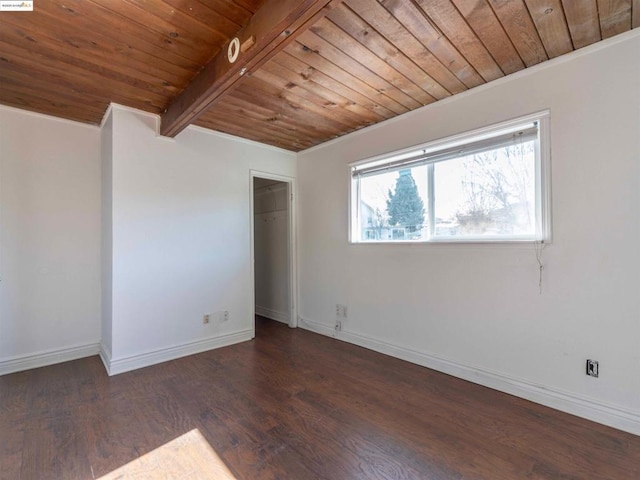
{"points": [[422, 156]]}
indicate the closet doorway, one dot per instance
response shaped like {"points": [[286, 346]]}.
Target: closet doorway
{"points": [[273, 247]]}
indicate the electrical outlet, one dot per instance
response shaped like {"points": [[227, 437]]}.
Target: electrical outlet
{"points": [[206, 319], [341, 311], [593, 368], [338, 326], [225, 316]]}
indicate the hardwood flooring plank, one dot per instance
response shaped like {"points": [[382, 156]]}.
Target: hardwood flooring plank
{"points": [[271, 461], [293, 404], [12, 427], [71, 384], [288, 417], [114, 435], [309, 416], [440, 389], [13, 394], [500, 433], [404, 423], [54, 448], [490, 417]]}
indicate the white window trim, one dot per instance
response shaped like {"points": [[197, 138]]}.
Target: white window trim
{"points": [[543, 179]]}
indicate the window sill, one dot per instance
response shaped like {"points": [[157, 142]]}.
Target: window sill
{"points": [[528, 243]]}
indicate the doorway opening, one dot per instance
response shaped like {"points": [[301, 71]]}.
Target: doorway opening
{"points": [[273, 248]]}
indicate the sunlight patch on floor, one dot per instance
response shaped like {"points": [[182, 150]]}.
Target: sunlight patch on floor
{"points": [[187, 457]]}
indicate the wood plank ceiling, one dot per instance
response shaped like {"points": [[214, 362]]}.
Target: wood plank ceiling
{"points": [[364, 62]]}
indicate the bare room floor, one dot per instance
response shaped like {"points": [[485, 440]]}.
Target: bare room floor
{"points": [[294, 405]]}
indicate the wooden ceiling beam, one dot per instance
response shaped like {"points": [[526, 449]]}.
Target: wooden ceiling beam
{"points": [[270, 29]]}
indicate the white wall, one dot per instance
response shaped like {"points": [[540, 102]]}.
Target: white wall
{"points": [[50, 239], [181, 237], [271, 233], [475, 310], [106, 154]]}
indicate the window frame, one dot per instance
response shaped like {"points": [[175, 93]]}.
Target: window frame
{"points": [[542, 184]]}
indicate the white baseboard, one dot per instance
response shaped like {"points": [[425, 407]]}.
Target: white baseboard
{"points": [[146, 359], [610, 415], [105, 356], [316, 327], [272, 314], [46, 358]]}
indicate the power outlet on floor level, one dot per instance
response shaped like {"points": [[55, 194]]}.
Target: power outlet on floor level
{"points": [[224, 317], [338, 326], [206, 319], [593, 368]]}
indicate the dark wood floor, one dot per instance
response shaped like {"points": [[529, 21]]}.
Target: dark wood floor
{"points": [[295, 405]]}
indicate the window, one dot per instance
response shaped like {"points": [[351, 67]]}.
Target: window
{"points": [[490, 185]]}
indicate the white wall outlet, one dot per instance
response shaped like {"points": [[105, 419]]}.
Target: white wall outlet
{"points": [[341, 311], [206, 319], [338, 326], [225, 316]]}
